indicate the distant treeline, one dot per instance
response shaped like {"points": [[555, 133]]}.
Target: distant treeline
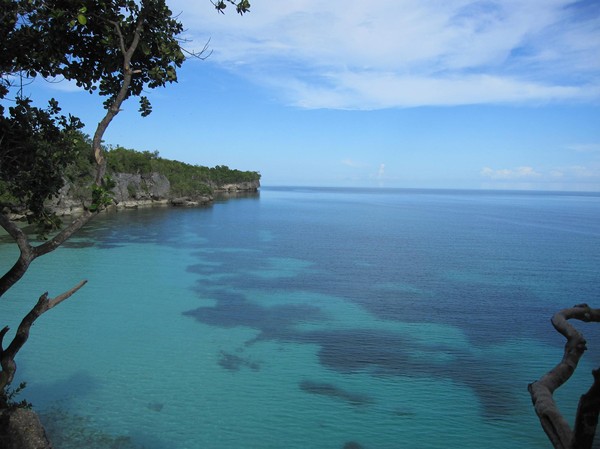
{"points": [[184, 178]]}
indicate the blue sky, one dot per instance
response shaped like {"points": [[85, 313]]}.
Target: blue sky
{"points": [[394, 93]]}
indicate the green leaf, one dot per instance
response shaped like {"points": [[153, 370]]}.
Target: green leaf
{"points": [[145, 48], [81, 19]]}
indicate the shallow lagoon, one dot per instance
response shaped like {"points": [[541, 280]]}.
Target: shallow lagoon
{"points": [[312, 318]]}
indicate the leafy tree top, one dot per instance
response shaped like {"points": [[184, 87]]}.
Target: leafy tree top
{"points": [[88, 40]]}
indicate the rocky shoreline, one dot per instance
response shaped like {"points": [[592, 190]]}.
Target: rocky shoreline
{"points": [[133, 191], [20, 428]]}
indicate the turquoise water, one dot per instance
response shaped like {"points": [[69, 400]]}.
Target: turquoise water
{"points": [[311, 318]]}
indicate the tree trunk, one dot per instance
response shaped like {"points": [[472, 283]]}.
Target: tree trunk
{"points": [[554, 424]]}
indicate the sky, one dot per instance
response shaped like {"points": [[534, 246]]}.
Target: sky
{"points": [[395, 93]]}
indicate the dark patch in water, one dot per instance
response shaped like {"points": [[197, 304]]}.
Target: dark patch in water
{"points": [[352, 445], [330, 390], [351, 351], [233, 362], [234, 310], [156, 406], [403, 413], [378, 352], [69, 431], [79, 384], [73, 244]]}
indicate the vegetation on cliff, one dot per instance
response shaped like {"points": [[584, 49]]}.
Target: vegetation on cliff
{"points": [[185, 179]]}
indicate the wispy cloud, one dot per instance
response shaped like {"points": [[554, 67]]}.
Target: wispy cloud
{"points": [[510, 173], [589, 173], [402, 53], [585, 147], [352, 163]]}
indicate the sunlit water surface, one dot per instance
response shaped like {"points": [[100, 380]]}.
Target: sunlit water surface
{"points": [[313, 319]]}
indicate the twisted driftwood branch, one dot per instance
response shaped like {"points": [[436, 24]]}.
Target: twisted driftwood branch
{"points": [[554, 424]]}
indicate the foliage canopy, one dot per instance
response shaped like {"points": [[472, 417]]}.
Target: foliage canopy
{"points": [[185, 179]]}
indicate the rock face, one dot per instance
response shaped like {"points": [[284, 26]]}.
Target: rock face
{"points": [[191, 202], [136, 190], [248, 186], [21, 429], [152, 186]]}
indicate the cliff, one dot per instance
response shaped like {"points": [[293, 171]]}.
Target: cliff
{"points": [[149, 189]]}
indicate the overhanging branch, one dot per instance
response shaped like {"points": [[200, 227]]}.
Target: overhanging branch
{"points": [[554, 424], [7, 356]]}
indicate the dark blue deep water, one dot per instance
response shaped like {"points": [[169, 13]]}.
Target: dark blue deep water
{"points": [[312, 318]]}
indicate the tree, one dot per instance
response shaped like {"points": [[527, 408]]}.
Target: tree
{"points": [[117, 48], [554, 424]]}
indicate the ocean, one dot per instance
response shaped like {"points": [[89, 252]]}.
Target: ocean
{"points": [[311, 318]]}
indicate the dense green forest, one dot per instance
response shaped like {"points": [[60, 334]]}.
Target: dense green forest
{"points": [[185, 179]]}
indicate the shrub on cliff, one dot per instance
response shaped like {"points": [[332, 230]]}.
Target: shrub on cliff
{"points": [[185, 179]]}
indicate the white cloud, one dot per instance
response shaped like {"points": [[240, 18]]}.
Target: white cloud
{"points": [[352, 90], [575, 173], [510, 173], [583, 172], [399, 53], [352, 163], [62, 85], [585, 147]]}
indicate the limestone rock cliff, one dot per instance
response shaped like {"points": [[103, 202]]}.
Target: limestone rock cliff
{"points": [[134, 190], [248, 186], [151, 186]]}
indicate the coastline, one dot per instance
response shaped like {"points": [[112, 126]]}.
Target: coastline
{"points": [[149, 194]]}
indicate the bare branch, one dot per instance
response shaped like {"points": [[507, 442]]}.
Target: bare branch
{"points": [[121, 40], [556, 427], [3, 332], [203, 54], [26, 255], [29, 253], [7, 356], [15, 232], [63, 235], [53, 302]]}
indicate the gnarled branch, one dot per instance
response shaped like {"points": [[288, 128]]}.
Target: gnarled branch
{"points": [[554, 424], [29, 253], [7, 356]]}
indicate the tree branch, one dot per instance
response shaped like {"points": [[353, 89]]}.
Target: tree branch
{"points": [[556, 427], [7, 356], [586, 419], [26, 255], [115, 107], [63, 235], [29, 253], [15, 232], [120, 35]]}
